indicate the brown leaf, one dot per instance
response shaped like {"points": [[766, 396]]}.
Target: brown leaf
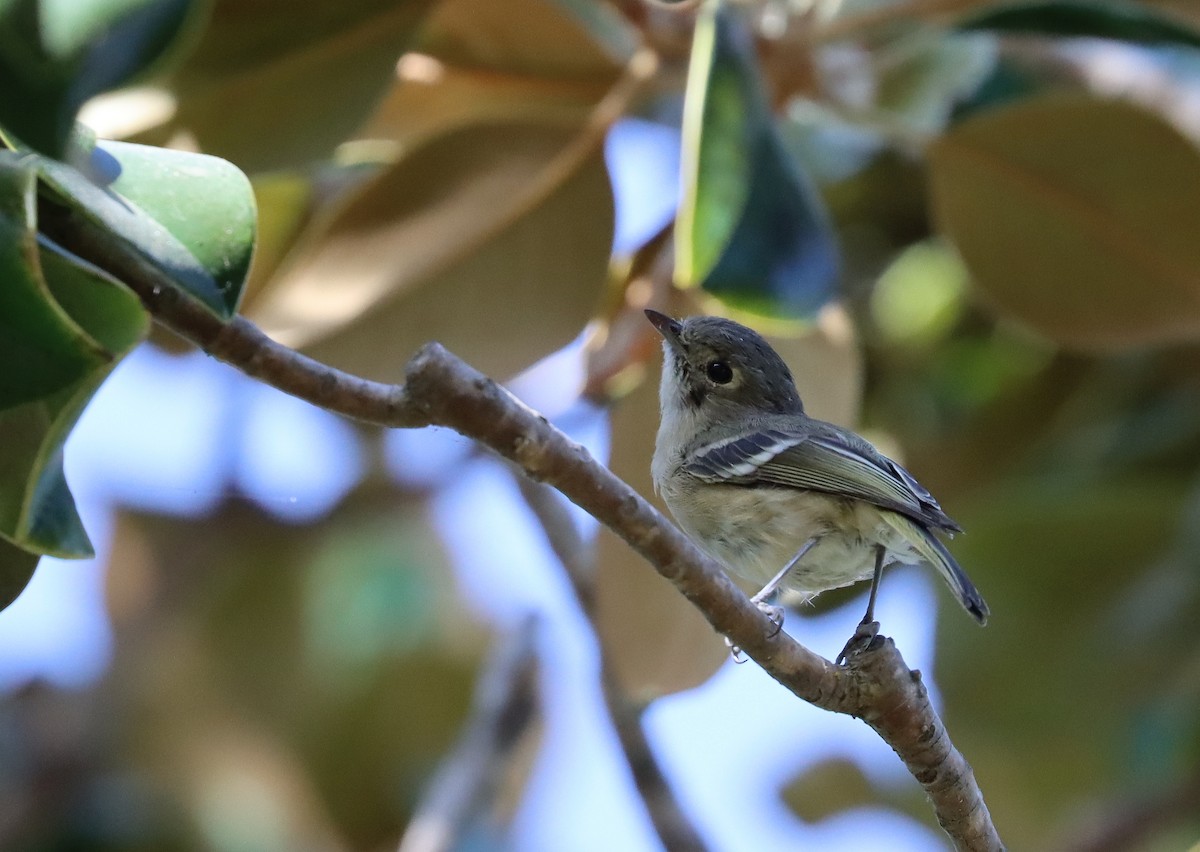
{"points": [[655, 640], [1093, 254], [267, 95], [490, 239]]}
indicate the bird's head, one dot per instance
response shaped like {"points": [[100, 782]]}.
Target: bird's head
{"points": [[716, 370]]}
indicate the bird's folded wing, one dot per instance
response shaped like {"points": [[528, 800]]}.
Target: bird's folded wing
{"points": [[821, 463]]}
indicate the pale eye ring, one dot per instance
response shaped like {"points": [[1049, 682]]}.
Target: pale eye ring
{"points": [[719, 372]]}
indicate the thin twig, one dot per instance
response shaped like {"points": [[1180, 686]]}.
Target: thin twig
{"points": [[441, 389], [505, 704], [1127, 825], [670, 822]]}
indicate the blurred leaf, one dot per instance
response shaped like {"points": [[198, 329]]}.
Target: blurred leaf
{"points": [[269, 96], [1096, 19], [56, 55], [478, 62], [827, 365], [1054, 560], [16, 570], [827, 145], [920, 296], [783, 259], [324, 668], [556, 39], [455, 242], [834, 785], [723, 109], [190, 215], [1090, 256], [751, 229], [655, 640], [922, 76]]}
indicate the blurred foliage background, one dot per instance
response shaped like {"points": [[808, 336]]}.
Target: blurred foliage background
{"points": [[970, 226]]}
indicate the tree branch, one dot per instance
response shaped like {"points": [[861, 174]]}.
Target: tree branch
{"points": [[441, 389], [673, 827], [505, 704]]}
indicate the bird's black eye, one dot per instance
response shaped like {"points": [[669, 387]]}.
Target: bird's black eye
{"points": [[720, 372]]}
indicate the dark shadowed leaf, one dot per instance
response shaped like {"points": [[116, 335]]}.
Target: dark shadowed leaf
{"points": [[55, 55], [751, 229], [1110, 19], [16, 570], [1090, 255], [35, 331]]}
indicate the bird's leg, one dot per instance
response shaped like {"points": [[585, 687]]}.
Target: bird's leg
{"points": [[775, 613], [868, 628]]}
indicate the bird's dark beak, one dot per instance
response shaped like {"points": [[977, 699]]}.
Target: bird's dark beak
{"points": [[667, 327]]}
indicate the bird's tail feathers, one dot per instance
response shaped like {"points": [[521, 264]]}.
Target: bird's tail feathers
{"points": [[936, 554]]}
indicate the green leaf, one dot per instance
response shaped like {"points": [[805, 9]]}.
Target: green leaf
{"points": [[922, 76], [1112, 20], [65, 325], [751, 228], [190, 215], [723, 107], [274, 83], [36, 333], [1091, 255], [16, 570], [55, 54], [37, 511]]}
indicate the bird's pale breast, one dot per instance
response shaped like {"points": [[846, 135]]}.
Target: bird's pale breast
{"points": [[754, 532]]}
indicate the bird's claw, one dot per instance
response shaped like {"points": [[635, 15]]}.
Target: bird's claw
{"points": [[859, 642], [774, 613]]}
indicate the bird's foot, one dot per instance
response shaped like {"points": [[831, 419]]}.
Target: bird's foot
{"points": [[775, 613], [859, 642]]}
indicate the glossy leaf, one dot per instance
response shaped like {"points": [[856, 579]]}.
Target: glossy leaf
{"points": [[1110, 19], [751, 229], [190, 215], [37, 511], [65, 324], [723, 108], [1091, 255], [268, 95], [55, 54], [454, 243], [35, 331], [783, 258]]}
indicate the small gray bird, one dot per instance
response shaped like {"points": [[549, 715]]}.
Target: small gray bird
{"points": [[776, 496]]}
